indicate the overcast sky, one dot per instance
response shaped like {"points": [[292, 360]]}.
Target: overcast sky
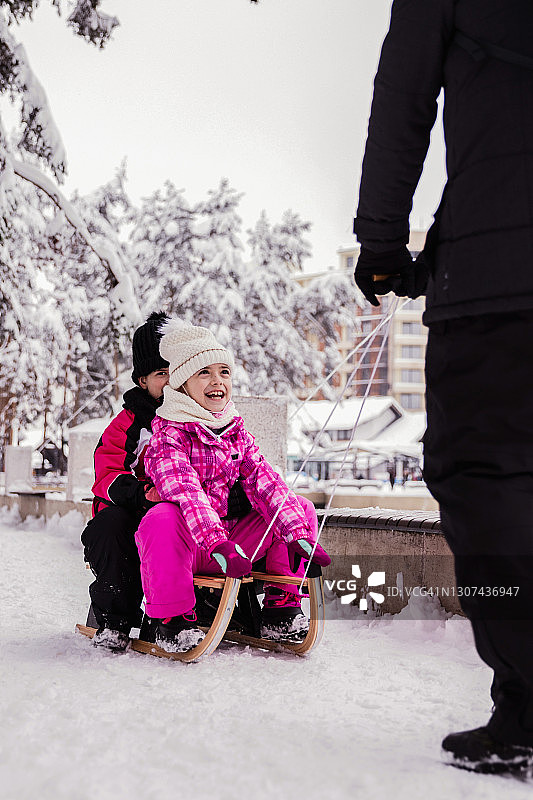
{"points": [[273, 96]]}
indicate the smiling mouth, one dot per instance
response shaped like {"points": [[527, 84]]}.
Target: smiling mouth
{"points": [[215, 395]]}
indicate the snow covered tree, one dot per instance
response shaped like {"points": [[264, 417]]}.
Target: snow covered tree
{"points": [[262, 243], [162, 248], [212, 296], [282, 243], [98, 338], [62, 338], [289, 243], [24, 360], [37, 146], [38, 142], [299, 324], [277, 355], [189, 259], [190, 264], [322, 310], [38, 132]]}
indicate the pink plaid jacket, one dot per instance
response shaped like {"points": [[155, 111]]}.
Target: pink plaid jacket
{"points": [[192, 466]]}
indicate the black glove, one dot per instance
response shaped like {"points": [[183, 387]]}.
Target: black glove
{"points": [[397, 273]]}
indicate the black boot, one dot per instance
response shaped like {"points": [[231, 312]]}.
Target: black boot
{"points": [[112, 639], [207, 603], [282, 618], [178, 634], [477, 751]]}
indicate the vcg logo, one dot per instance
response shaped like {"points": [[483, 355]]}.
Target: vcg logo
{"points": [[349, 585]]}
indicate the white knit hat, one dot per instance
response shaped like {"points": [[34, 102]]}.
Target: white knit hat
{"points": [[189, 348]]}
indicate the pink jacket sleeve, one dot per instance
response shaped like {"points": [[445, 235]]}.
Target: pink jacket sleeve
{"points": [[267, 491], [167, 463]]}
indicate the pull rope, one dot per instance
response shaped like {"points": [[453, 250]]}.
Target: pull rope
{"points": [[316, 440], [369, 339], [356, 423], [370, 336]]}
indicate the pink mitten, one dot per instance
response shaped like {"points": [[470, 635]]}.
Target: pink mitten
{"points": [[303, 548]]}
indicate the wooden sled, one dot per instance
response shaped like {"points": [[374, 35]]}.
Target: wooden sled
{"points": [[218, 631]]}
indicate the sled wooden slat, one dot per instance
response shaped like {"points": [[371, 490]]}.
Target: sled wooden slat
{"points": [[215, 581], [86, 630], [290, 579]]}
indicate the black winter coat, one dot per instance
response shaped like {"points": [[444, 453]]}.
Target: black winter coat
{"points": [[480, 248]]}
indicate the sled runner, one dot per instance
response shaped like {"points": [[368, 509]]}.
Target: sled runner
{"points": [[235, 623]]}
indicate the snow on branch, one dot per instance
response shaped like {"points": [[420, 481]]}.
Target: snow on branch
{"points": [[122, 292], [18, 9], [91, 24], [40, 135]]}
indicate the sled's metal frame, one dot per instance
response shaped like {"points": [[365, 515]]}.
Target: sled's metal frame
{"points": [[218, 631]]}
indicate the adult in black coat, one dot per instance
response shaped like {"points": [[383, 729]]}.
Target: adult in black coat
{"points": [[479, 309]]}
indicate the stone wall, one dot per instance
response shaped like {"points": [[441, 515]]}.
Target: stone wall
{"points": [[407, 545]]}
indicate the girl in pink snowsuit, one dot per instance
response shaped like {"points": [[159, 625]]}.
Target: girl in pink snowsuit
{"points": [[221, 495]]}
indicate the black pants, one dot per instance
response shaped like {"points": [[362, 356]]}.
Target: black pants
{"points": [[478, 464], [111, 551]]}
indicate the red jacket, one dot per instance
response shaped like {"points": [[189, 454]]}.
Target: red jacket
{"points": [[119, 456]]}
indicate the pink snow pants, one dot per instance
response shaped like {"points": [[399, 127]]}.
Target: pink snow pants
{"points": [[170, 557]]}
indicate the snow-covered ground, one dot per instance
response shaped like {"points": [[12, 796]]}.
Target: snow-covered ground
{"points": [[362, 716]]}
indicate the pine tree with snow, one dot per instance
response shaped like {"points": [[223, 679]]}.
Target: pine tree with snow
{"points": [[262, 242], [299, 325], [277, 356], [161, 243], [189, 259], [289, 243], [212, 297]]}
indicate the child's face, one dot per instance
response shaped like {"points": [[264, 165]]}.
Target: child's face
{"points": [[210, 386], [155, 382]]}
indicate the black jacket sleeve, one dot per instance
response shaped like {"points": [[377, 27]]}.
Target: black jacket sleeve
{"points": [[404, 107]]}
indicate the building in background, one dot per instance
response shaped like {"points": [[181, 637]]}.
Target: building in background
{"points": [[387, 441]]}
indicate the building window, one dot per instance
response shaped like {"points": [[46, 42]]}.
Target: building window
{"points": [[367, 325], [411, 376], [344, 436], [412, 351], [411, 401], [365, 374], [412, 328], [349, 262]]}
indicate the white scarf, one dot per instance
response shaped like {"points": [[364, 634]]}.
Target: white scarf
{"points": [[179, 407]]}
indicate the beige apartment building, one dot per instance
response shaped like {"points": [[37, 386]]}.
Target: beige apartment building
{"points": [[400, 372]]}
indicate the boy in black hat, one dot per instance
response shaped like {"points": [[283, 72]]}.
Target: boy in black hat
{"points": [[122, 494]]}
